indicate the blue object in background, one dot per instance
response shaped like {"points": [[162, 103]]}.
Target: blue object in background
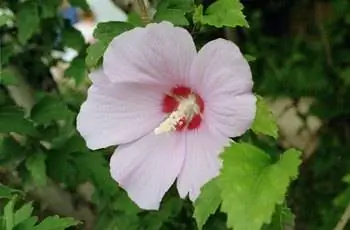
{"points": [[71, 14]]}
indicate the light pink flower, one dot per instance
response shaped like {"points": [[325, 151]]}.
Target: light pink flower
{"points": [[170, 109]]}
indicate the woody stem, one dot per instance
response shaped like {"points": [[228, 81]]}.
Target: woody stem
{"points": [[143, 11]]}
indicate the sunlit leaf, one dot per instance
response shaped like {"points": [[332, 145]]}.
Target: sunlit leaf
{"points": [[225, 13], [252, 184], [264, 122], [207, 203]]}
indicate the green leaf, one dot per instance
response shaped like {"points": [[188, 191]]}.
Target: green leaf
{"points": [[174, 11], [225, 13], [264, 122], [49, 8], [282, 218], [4, 18], [7, 192], [12, 120], [37, 167], [170, 208], [95, 52], [198, 14], [135, 19], [77, 70], [48, 109], [56, 223], [252, 185], [249, 58], [8, 77], [28, 20], [27, 224], [23, 213], [73, 38], [95, 165], [343, 199], [207, 203], [10, 149], [104, 33], [9, 215]]}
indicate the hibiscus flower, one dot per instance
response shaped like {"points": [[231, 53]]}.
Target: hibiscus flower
{"points": [[170, 110]]}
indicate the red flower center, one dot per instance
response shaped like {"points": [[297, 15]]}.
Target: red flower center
{"points": [[172, 101]]}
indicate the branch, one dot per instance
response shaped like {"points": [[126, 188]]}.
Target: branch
{"points": [[143, 11], [344, 219]]}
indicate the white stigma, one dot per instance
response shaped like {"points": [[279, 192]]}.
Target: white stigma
{"points": [[187, 109]]}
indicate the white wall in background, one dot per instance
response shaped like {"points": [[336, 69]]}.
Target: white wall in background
{"points": [[105, 10]]}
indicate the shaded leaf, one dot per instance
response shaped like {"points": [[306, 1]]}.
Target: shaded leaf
{"points": [[49, 8], [7, 192], [8, 77], [48, 109], [174, 11], [12, 120], [77, 70], [27, 20], [56, 223], [73, 38], [37, 167]]}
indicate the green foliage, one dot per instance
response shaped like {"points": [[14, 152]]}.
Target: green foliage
{"points": [[282, 219], [77, 70], [104, 33], [251, 189], [311, 61], [7, 77], [48, 109], [37, 167], [207, 203], [22, 219], [222, 13], [12, 119], [174, 11], [49, 8], [27, 20], [73, 38], [264, 122]]}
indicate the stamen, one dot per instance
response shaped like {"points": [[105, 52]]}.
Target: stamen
{"points": [[178, 119]]}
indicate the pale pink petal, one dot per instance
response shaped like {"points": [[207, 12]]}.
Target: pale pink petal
{"points": [[231, 115], [219, 68], [147, 168], [223, 78], [202, 162], [159, 53], [118, 113]]}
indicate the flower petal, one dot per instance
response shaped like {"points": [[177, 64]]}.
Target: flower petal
{"points": [[222, 76], [118, 113], [157, 53], [231, 115], [147, 168], [202, 162], [219, 68]]}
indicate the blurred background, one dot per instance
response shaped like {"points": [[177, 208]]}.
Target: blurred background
{"points": [[299, 52]]}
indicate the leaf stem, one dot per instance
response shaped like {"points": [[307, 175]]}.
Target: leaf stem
{"points": [[344, 219], [143, 11]]}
